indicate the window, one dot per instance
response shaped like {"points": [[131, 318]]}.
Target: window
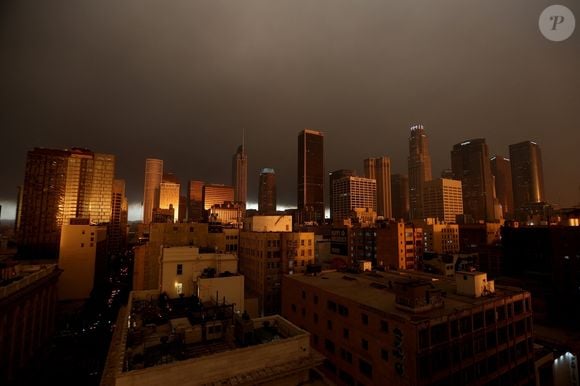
{"points": [[365, 319], [364, 344], [384, 326], [345, 333], [342, 310], [384, 355], [293, 307], [329, 345], [82, 245], [346, 355], [302, 242], [179, 288], [315, 317], [365, 368], [180, 269], [329, 324], [331, 305]]}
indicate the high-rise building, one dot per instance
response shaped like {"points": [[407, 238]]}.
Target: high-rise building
{"points": [[502, 172], [399, 245], [195, 201], [60, 185], [419, 162], [350, 193], [117, 227], [153, 177], [240, 175], [379, 169], [442, 199], [440, 237], [335, 175], [169, 194], [267, 192], [311, 175], [400, 196], [527, 173], [470, 164], [216, 194]]}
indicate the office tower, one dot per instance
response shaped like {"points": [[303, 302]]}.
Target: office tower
{"points": [[502, 172], [182, 213], [169, 194], [216, 194], [311, 175], [388, 328], [335, 175], [442, 199], [195, 201], [400, 196], [470, 164], [153, 177], [379, 169], [527, 173], [60, 185], [267, 192], [240, 175], [117, 227], [419, 162], [350, 193]]}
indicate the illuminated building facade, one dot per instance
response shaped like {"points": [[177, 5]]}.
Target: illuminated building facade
{"points": [[527, 173], [169, 195], [442, 199], [195, 200], [502, 173], [153, 178], [379, 169], [240, 175], [214, 194], [350, 193]]}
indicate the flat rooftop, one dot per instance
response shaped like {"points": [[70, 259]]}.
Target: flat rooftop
{"points": [[18, 276], [377, 290]]}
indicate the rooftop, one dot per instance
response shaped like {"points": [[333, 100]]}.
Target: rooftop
{"points": [[379, 291], [15, 277]]}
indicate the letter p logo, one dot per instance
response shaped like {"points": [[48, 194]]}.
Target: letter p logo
{"points": [[557, 23]]}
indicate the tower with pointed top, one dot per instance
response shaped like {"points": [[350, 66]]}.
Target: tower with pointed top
{"points": [[240, 173], [419, 163]]}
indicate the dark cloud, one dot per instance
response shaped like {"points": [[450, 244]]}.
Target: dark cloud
{"points": [[179, 80]]}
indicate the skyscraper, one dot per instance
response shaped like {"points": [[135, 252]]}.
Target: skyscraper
{"points": [[419, 162], [153, 177], [379, 169], [60, 185], [502, 172], [169, 194], [216, 194], [311, 175], [442, 199], [527, 173], [240, 175], [400, 196], [195, 201], [267, 192], [470, 165], [117, 228], [350, 193], [335, 175]]}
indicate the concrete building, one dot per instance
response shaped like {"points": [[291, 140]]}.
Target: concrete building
{"points": [[60, 185], [217, 194], [527, 173], [267, 192], [442, 199], [311, 176], [82, 258], [206, 346], [153, 178], [213, 277], [470, 164], [169, 194], [279, 223], [440, 237], [240, 175], [399, 245], [350, 193], [214, 238], [419, 163], [379, 169], [405, 328], [502, 173], [400, 197], [228, 213], [195, 201], [265, 256], [335, 175], [28, 296]]}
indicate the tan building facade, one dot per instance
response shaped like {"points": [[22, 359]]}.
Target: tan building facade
{"points": [[443, 199], [399, 245], [440, 237]]}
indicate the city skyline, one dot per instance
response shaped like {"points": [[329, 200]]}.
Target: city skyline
{"points": [[185, 100]]}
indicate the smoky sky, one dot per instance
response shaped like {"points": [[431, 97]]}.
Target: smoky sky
{"points": [[179, 80]]}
